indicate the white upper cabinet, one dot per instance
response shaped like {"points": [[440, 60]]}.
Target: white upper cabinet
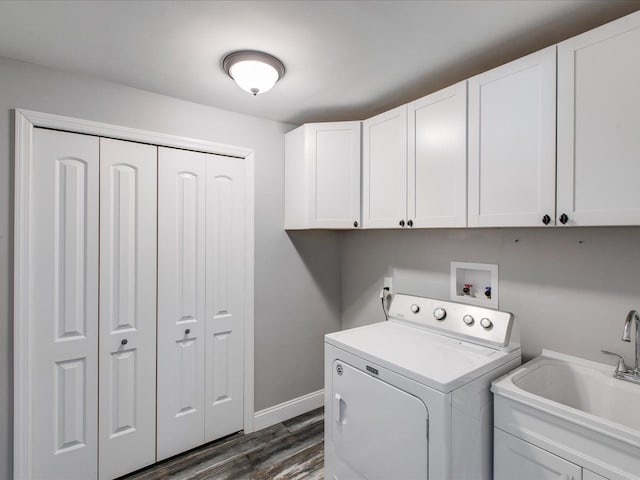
{"points": [[599, 125], [322, 176], [512, 135], [486, 156], [414, 163], [437, 159], [384, 169]]}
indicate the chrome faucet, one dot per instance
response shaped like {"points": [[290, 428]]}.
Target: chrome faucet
{"points": [[622, 372], [626, 336]]}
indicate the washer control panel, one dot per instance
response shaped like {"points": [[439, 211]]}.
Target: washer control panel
{"points": [[479, 324]]}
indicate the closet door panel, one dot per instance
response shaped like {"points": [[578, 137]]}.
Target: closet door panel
{"points": [[128, 191], [63, 305], [225, 296], [181, 300]]}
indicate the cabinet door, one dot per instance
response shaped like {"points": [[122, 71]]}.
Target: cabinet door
{"points": [[512, 135], [514, 458], [437, 166], [63, 305], [598, 125], [384, 168], [225, 315], [296, 180], [333, 152], [128, 183], [181, 300]]}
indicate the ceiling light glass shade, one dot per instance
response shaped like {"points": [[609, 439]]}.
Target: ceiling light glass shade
{"points": [[254, 77], [255, 72]]}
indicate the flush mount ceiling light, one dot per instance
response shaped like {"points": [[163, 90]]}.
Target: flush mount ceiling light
{"points": [[253, 71]]}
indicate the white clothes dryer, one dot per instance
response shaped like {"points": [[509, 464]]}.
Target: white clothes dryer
{"points": [[409, 398]]}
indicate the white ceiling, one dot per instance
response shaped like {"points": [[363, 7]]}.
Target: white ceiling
{"points": [[345, 60]]}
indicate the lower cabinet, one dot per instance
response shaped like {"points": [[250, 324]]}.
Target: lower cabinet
{"points": [[515, 458]]}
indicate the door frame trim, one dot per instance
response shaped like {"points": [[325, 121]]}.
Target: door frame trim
{"points": [[25, 122]]}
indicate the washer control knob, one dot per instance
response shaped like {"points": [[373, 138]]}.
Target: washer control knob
{"points": [[439, 313], [486, 323], [415, 308], [468, 319]]}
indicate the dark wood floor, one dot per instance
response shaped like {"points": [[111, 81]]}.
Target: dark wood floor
{"points": [[291, 450]]}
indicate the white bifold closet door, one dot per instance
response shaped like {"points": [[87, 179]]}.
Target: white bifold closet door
{"points": [[201, 227], [127, 411], [92, 303], [63, 305]]}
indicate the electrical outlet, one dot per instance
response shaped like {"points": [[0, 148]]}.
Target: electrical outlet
{"points": [[388, 281]]}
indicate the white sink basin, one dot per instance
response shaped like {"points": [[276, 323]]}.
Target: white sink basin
{"points": [[575, 408], [582, 385]]}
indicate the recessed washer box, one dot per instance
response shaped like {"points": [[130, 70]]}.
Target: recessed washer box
{"points": [[475, 283]]}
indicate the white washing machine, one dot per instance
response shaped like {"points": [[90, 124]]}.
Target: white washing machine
{"points": [[409, 398]]}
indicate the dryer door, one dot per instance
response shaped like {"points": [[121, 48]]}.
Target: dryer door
{"points": [[381, 432]]}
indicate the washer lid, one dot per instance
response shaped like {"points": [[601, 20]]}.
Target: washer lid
{"points": [[438, 361]]}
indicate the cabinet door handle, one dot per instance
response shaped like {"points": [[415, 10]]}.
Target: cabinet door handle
{"points": [[355, 224], [402, 223], [546, 219], [187, 331], [564, 218], [410, 223], [124, 341]]}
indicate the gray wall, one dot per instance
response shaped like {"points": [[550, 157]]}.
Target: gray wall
{"points": [[288, 334], [570, 288]]}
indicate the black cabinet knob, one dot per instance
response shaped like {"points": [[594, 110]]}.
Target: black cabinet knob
{"points": [[546, 219], [355, 224], [124, 341], [564, 219], [410, 223], [402, 223], [187, 331]]}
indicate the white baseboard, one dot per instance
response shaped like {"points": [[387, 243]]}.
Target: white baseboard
{"points": [[284, 411]]}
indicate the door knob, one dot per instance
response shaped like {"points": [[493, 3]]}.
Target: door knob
{"points": [[410, 223], [564, 218], [355, 224], [546, 219], [402, 223]]}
